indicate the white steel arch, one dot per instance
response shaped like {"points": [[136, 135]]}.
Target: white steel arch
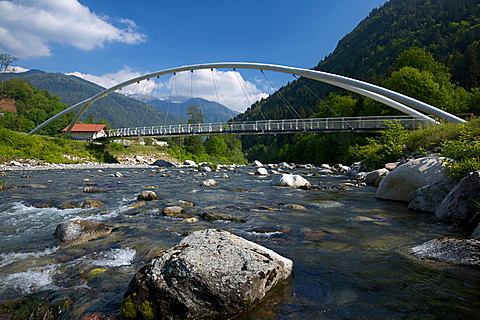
{"points": [[391, 98]]}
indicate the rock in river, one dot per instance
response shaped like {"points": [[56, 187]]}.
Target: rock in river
{"points": [[209, 273], [292, 180], [147, 196], [410, 176], [458, 251], [461, 205], [80, 230]]}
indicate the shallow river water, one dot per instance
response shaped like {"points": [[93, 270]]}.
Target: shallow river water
{"points": [[349, 250]]}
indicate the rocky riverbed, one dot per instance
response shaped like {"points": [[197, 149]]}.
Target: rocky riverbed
{"points": [[350, 252]]}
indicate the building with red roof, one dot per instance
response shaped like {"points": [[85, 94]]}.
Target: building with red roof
{"points": [[87, 132]]}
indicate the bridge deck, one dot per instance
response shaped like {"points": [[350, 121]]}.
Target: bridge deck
{"points": [[308, 125]]}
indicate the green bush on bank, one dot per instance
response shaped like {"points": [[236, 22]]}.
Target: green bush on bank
{"points": [[460, 142], [15, 145]]}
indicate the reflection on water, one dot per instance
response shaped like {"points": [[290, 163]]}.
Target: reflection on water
{"points": [[348, 249]]}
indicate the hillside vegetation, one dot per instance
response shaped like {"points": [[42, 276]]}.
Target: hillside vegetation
{"points": [[429, 50]]}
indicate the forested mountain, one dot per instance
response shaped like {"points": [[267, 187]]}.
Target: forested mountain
{"points": [[427, 49], [212, 111], [23, 107], [117, 109]]}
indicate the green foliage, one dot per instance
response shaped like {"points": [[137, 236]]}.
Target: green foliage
{"points": [[465, 151], [388, 147], [14, 145], [147, 310], [33, 107], [127, 308]]}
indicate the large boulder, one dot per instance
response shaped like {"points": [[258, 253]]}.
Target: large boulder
{"points": [[462, 204], [410, 176], [80, 230], [292, 180], [457, 251], [209, 273], [429, 198]]}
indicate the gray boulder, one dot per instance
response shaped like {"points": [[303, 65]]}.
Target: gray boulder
{"points": [[261, 172], [80, 230], [147, 196], [462, 252], [257, 163], [208, 183], [190, 163], [429, 198], [462, 204], [372, 176], [163, 163], [476, 233], [410, 176], [210, 273], [173, 211], [292, 180]]}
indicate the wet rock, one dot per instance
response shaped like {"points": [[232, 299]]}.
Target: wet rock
{"points": [[147, 196], [462, 204], [35, 186], [80, 230], [476, 233], [429, 198], [209, 273], [163, 163], [261, 172], [190, 163], [410, 176], [208, 183], [294, 206], [93, 190], [84, 204], [372, 176], [292, 180], [457, 251], [173, 211], [209, 216], [183, 203], [257, 163], [41, 305]]}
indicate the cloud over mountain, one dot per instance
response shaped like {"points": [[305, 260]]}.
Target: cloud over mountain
{"points": [[225, 87]]}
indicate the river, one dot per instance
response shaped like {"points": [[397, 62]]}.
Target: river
{"points": [[349, 250]]}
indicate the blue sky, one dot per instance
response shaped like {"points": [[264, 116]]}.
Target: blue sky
{"points": [[110, 41]]}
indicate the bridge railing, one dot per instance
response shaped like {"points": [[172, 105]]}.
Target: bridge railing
{"points": [[271, 126]]}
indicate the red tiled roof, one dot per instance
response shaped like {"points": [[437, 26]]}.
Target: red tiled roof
{"points": [[82, 127]]}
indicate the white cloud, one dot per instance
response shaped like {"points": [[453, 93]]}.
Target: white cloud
{"points": [[229, 88], [28, 27]]}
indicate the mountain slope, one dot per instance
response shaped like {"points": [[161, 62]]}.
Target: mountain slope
{"points": [[213, 111], [117, 109], [449, 29]]}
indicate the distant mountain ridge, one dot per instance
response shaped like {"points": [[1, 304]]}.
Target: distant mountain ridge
{"points": [[177, 106], [117, 109]]}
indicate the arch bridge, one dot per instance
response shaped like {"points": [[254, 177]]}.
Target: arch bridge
{"points": [[412, 107]]}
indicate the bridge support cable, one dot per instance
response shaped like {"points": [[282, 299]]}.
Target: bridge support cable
{"points": [[291, 108], [333, 79], [318, 98], [247, 94]]}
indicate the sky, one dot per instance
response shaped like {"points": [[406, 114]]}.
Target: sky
{"points": [[111, 41]]}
